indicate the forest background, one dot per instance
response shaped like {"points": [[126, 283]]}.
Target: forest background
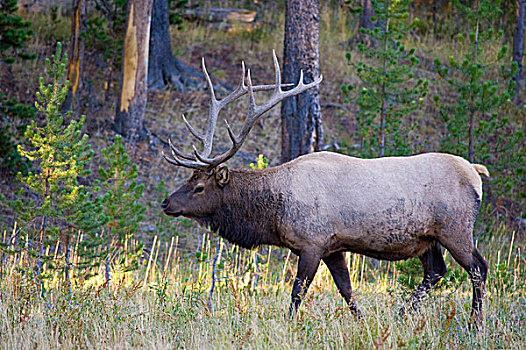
{"points": [[87, 257]]}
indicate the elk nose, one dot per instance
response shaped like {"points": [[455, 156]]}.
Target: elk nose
{"points": [[165, 204]]}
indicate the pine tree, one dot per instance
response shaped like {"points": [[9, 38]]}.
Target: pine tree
{"points": [[122, 194], [59, 153], [478, 124], [479, 94], [385, 98], [14, 32]]}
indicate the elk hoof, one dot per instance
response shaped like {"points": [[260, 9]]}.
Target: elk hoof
{"points": [[356, 312]]}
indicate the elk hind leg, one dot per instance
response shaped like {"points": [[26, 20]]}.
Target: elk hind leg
{"points": [[338, 268], [434, 269], [477, 268]]}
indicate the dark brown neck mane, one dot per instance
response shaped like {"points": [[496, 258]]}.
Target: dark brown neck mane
{"points": [[250, 210]]}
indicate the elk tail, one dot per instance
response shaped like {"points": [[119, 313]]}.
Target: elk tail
{"points": [[481, 169]]}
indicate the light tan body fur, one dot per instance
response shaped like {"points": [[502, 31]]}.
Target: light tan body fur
{"points": [[388, 208]]}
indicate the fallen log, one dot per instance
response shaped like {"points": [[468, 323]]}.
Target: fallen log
{"points": [[218, 15]]}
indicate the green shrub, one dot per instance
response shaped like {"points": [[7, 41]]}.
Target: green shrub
{"points": [[121, 201], [384, 97]]}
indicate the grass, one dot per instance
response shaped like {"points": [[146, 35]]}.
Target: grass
{"points": [[165, 303]]}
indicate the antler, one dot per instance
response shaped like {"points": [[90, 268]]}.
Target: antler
{"points": [[201, 160]]}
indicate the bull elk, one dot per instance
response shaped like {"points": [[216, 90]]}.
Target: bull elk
{"points": [[323, 204]]}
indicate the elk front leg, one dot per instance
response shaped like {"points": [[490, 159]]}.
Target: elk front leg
{"points": [[338, 268], [307, 266]]}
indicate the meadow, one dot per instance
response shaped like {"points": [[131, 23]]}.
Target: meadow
{"points": [[166, 303]]}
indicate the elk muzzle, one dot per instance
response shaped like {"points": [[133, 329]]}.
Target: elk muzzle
{"points": [[169, 209]]}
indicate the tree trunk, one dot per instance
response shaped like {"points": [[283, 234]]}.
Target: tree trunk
{"points": [[301, 121], [518, 43], [76, 54], [162, 69], [129, 117], [365, 22], [472, 119], [435, 7], [107, 264], [40, 258], [366, 14], [67, 269]]}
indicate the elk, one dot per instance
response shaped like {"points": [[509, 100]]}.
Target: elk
{"points": [[324, 204]]}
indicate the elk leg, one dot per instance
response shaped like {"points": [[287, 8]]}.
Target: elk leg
{"points": [[478, 274], [477, 269], [338, 268], [307, 266], [434, 269]]}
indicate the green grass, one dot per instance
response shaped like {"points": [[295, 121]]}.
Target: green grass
{"points": [[165, 303]]}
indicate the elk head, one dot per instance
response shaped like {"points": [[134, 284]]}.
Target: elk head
{"points": [[200, 196]]}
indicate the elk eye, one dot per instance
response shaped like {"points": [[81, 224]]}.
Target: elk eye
{"points": [[199, 189]]}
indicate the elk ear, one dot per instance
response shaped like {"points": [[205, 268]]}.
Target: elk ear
{"points": [[221, 176]]}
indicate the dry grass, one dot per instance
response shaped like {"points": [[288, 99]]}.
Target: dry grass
{"points": [[165, 304]]}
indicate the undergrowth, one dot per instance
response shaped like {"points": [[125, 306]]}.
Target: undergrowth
{"points": [[165, 303]]}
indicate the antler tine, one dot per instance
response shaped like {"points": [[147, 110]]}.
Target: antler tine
{"points": [[300, 83], [207, 161], [215, 107], [193, 131], [251, 98], [208, 80], [178, 154], [238, 92], [242, 82], [278, 72], [231, 133], [170, 160], [187, 164]]}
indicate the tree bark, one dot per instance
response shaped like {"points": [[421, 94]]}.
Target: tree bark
{"points": [[366, 14], [67, 268], [162, 69], [301, 121], [76, 54], [129, 116], [518, 43], [365, 22]]}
